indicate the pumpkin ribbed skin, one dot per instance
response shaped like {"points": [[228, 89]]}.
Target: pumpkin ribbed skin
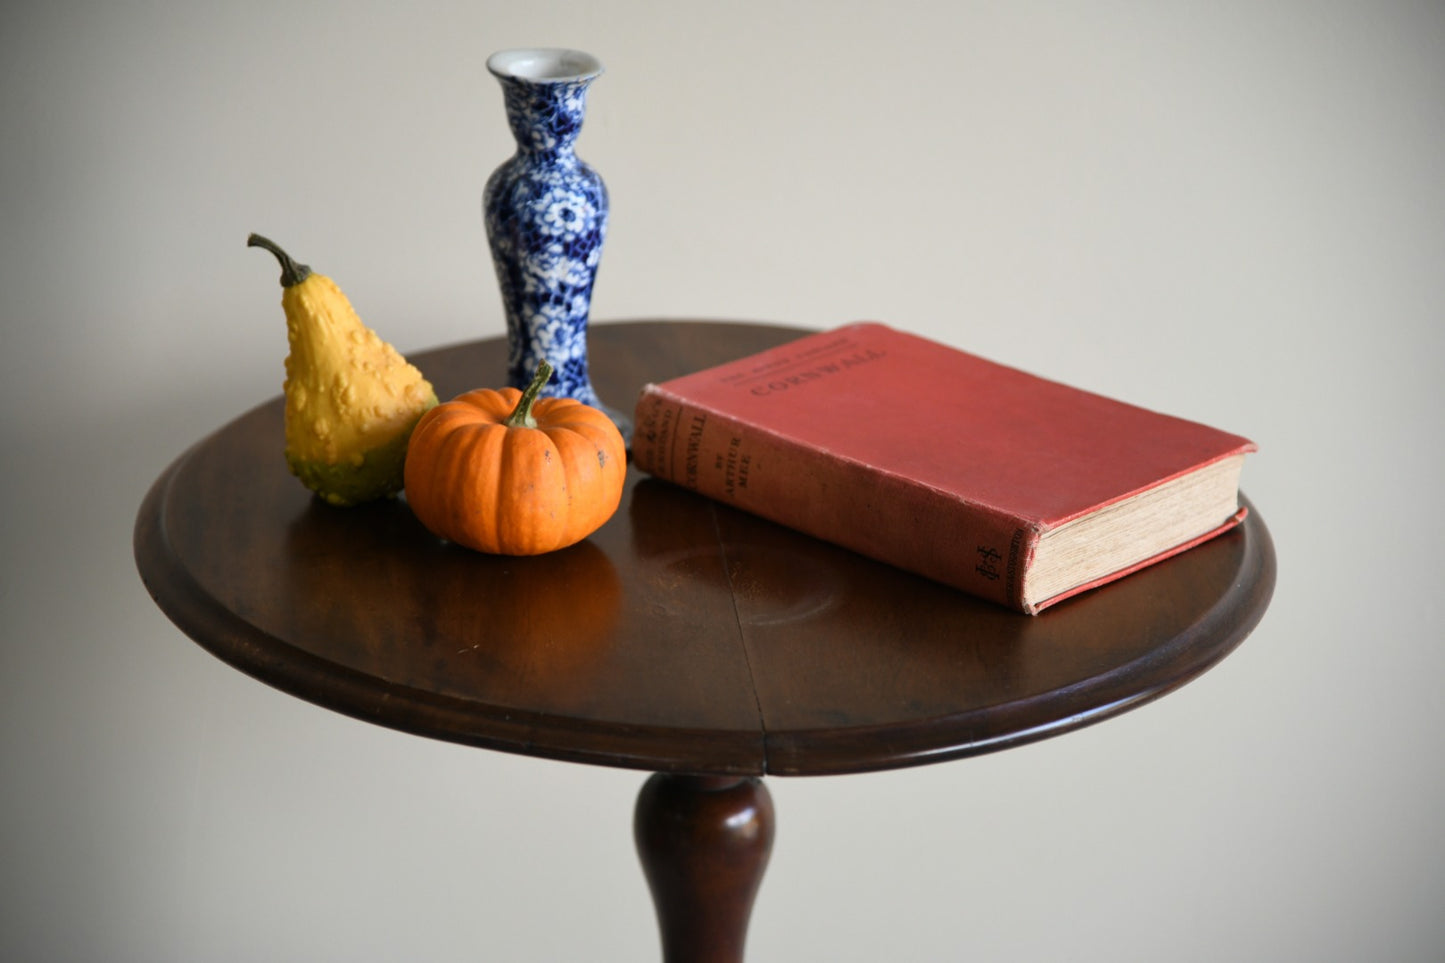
{"points": [[509, 489]]}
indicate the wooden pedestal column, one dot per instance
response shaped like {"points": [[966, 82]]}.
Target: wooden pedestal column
{"points": [[704, 843]]}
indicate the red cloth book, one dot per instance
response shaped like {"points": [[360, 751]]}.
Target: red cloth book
{"points": [[1009, 486]]}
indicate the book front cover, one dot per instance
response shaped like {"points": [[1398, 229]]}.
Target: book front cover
{"points": [[1031, 448]]}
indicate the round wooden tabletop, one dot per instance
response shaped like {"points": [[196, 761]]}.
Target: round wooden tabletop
{"points": [[683, 636]]}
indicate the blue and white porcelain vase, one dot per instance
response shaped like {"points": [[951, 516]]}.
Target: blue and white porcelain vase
{"points": [[546, 218]]}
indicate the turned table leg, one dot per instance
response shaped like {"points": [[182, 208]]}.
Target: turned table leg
{"points": [[704, 843]]}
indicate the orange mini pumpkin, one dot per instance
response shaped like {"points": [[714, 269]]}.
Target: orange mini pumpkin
{"points": [[506, 472]]}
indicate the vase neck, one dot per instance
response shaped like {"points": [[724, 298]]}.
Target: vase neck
{"points": [[545, 117]]}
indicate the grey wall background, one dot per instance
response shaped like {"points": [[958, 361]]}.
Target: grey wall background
{"points": [[1233, 212]]}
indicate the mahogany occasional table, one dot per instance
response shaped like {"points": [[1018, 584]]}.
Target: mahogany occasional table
{"points": [[685, 638]]}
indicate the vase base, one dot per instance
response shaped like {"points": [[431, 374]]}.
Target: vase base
{"points": [[622, 421]]}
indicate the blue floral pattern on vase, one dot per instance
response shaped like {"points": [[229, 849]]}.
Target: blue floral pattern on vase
{"points": [[546, 219]]}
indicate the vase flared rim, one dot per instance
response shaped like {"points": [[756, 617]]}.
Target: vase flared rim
{"points": [[544, 65]]}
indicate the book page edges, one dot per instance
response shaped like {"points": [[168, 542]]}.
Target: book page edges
{"points": [[1231, 522], [1243, 447]]}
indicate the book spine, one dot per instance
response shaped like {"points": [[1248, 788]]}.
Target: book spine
{"points": [[881, 515]]}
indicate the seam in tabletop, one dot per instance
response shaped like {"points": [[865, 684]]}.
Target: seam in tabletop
{"points": [[742, 635]]}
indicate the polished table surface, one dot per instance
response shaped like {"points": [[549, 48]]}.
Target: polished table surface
{"points": [[682, 637]]}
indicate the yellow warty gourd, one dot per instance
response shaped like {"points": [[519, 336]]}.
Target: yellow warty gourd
{"points": [[352, 400]]}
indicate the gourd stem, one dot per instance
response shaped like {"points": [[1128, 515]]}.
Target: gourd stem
{"points": [[292, 273], [521, 416]]}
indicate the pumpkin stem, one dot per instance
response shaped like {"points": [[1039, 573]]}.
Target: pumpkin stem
{"points": [[292, 273], [521, 416]]}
